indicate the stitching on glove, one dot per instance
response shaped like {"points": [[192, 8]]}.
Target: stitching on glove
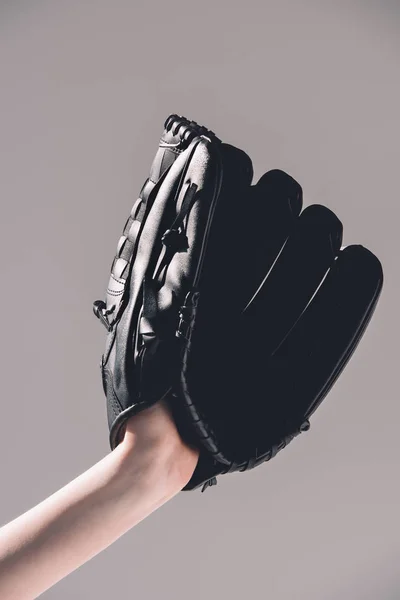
{"points": [[122, 281], [113, 293], [116, 406]]}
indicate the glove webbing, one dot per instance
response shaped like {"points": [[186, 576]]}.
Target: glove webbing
{"points": [[174, 240], [183, 131]]}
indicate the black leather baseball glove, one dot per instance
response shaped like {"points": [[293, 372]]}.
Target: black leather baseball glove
{"points": [[229, 301]]}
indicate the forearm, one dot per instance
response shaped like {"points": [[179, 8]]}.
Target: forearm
{"points": [[67, 529]]}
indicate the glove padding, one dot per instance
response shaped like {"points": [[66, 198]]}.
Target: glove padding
{"points": [[229, 301]]}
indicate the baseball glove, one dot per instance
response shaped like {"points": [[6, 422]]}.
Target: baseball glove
{"points": [[229, 301]]}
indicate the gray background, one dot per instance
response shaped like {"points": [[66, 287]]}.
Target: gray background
{"points": [[309, 87]]}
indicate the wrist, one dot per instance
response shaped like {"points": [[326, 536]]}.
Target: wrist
{"points": [[153, 454], [166, 465]]}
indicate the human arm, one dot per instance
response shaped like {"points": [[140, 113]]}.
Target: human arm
{"points": [[52, 539]]}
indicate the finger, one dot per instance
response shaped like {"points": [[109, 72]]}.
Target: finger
{"points": [[308, 254], [316, 351], [249, 228], [272, 208]]}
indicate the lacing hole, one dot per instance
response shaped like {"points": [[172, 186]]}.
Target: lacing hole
{"points": [[174, 239], [305, 426], [98, 306], [178, 124]]}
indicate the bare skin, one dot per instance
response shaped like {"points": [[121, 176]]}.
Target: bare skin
{"points": [[49, 541]]}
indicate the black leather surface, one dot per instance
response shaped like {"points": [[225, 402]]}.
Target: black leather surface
{"points": [[273, 363], [231, 302]]}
